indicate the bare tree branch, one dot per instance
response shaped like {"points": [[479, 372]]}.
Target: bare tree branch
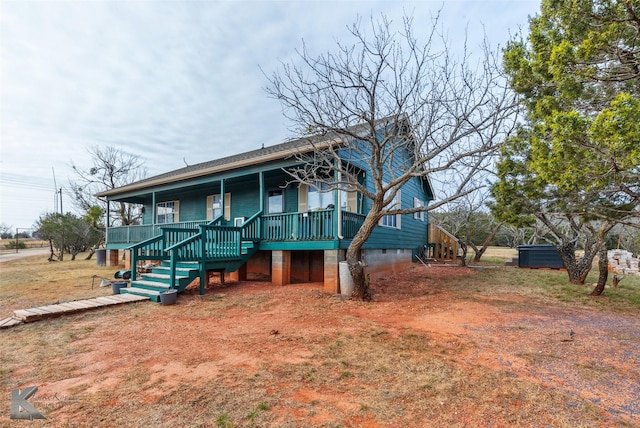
{"points": [[397, 109]]}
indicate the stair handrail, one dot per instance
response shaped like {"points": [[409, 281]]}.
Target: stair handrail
{"points": [[199, 251], [173, 255], [248, 225], [137, 247], [248, 231], [216, 220], [144, 243], [156, 243], [183, 242]]}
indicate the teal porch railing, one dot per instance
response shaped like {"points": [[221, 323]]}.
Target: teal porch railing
{"points": [[139, 233], [351, 223], [309, 226], [155, 248], [214, 243], [299, 226]]}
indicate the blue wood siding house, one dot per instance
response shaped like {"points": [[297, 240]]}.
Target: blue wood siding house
{"points": [[243, 215]]}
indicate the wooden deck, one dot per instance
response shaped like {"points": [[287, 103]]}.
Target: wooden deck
{"points": [[49, 311]]}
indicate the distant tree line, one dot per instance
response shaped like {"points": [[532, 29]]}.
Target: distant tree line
{"points": [[84, 230]]}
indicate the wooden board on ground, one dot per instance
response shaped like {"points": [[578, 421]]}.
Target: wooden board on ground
{"points": [[48, 311], [10, 322]]}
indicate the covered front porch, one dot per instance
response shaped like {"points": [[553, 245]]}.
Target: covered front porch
{"points": [[310, 226]]}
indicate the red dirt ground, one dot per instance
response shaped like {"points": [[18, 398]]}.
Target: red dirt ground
{"points": [[512, 334]]}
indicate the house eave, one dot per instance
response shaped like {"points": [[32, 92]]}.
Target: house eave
{"points": [[219, 168]]}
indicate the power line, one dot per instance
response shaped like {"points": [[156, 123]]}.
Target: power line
{"points": [[26, 185]]}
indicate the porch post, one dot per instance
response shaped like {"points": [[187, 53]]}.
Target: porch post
{"points": [[337, 208], [204, 273], [281, 267], [222, 207], [240, 274], [261, 184], [113, 258], [108, 213], [331, 273], [106, 233], [153, 211], [133, 265], [128, 263]]}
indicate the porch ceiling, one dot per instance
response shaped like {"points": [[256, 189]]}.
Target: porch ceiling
{"points": [[209, 184]]}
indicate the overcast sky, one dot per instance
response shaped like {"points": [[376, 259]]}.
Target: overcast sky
{"points": [[170, 81]]}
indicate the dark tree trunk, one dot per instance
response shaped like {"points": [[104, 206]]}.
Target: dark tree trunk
{"points": [[576, 270], [360, 284], [52, 253], [356, 267], [485, 244], [603, 270], [463, 260], [91, 253]]}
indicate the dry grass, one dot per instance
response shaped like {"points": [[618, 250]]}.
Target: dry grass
{"points": [[257, 356], [34, 281], [28, 243]]}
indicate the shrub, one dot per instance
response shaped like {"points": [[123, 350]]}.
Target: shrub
{"points": [[11, 245]]}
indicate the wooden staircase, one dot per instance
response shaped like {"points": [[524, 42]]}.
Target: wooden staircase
{"points": [[159, 279], [186, 255]]}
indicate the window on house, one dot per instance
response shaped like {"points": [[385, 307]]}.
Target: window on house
{"points": [[349, 200], [417, 203], [392, 220], [216, 206], [319, 196], [389, 221], [167, 212], [275, 201]]}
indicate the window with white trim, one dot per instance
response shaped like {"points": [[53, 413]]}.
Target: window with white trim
{"points": [[216, 206], [319, 196], [418, 203], [394, 219], [167, 212], [275, 201]]}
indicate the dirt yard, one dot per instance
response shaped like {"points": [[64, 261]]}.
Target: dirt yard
{"points": [[424, 353]]}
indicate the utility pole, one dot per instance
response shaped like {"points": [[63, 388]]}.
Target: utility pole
{"points": [[18, 236], [55, 191], [61, 211]]}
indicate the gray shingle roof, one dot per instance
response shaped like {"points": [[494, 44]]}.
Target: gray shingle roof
{"points": [[264, 154], [253, 157]]}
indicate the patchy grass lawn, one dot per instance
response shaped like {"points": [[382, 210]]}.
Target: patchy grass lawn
{"points": [[439, 346]]}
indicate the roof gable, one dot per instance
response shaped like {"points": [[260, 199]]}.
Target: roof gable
{"points": [[281, 151]]}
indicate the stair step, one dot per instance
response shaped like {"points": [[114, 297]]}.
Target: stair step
{"points": [[186, 265], [161, 276], [178, 269], [150, 284], [151, 294]]}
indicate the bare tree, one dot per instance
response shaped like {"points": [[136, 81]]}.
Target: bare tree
{"points": [[5, 231], [403, 96], [111, 168], [469, 220]]}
